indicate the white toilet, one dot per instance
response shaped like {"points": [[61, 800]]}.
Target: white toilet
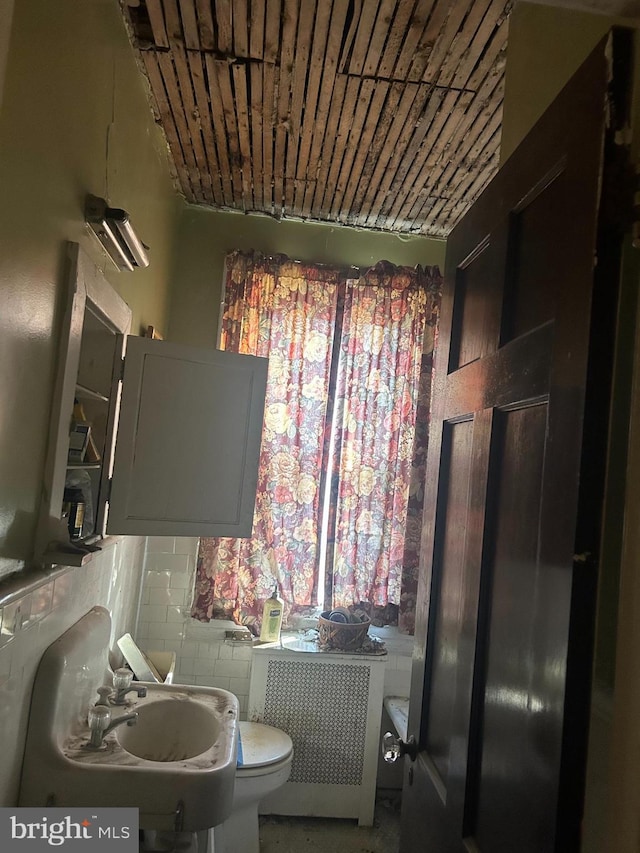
{"points": [[264, 764]]}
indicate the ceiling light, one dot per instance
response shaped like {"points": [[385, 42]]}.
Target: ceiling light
{"points": [[112, 227]]}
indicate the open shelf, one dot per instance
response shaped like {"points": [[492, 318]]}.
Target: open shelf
{"points": [[84, 466], [89, 394]]}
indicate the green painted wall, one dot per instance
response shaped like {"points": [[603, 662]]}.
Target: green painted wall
{"points": [[206, 236], [546, 45], [74, 118]]}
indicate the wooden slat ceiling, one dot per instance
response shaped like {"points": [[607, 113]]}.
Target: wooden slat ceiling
{"points": [[380, 114]]}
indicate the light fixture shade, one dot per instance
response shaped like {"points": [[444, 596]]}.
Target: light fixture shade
{"points": [[113, 228]]}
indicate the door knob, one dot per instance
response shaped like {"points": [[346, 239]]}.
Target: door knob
{"points": [[394, 748]]}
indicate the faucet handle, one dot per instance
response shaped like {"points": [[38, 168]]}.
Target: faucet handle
{"points": [[98, 718], [122, 678], [103, 693]]}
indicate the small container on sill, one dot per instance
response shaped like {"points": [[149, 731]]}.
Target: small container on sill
{"points": [[73, 509]]}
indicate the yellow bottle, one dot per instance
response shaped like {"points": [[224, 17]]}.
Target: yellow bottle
{"points": [[271, 618]]}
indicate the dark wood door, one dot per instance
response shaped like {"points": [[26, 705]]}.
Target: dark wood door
{"points": [[500, 680]]}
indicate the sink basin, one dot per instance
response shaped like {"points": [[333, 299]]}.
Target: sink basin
{"points": [[172, 729], [176, 765]]}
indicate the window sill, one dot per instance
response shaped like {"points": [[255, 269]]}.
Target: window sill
{"points": [[214, 630]]}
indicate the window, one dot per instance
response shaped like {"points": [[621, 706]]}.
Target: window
{"points": [[345, 357]]}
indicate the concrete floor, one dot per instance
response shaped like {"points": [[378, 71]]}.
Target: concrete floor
{"points": [[327, 835]]}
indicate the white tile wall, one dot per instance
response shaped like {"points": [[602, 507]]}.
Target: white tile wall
{"points": [[35, 617], [397, 675], [202, 655]]}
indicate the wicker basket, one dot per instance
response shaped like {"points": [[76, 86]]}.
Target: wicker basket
{"points": [[342, 636]]}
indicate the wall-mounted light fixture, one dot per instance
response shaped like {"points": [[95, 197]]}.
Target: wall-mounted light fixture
{"points": [[112, 227]]}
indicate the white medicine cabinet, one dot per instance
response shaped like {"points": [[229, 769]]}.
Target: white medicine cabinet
{"points": [[148, 437]]}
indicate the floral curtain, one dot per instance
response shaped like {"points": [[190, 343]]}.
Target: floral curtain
{"points": [[378, 374], [342, 389], [286, 312], [415, 503]]}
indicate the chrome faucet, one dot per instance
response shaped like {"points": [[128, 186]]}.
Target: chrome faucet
{"points": [[122, 685], [100, 723]]}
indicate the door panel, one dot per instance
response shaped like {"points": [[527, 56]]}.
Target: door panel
{"points": [[445, 668], [500, 679], [470, 310], [533, 273], [514, 793]]}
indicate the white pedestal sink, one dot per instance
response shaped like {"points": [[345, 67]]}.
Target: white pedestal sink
{"points": [[176, 765]]}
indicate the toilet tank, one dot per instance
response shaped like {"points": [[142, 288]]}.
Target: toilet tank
{"points": [[330, 704]]}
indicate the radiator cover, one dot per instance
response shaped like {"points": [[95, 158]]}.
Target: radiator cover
{"points": [[330, 705]]}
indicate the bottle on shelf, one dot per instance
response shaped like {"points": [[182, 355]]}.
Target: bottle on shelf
{"points": [[271, 618], [73, 509]]}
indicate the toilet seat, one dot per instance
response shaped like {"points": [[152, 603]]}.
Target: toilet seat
{"points": [[261, 748]]}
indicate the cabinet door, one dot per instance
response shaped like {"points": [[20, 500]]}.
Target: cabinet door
{"points": [[188, 444]]}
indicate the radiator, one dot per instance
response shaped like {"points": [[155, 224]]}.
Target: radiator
{"points": [[330, 705]]}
